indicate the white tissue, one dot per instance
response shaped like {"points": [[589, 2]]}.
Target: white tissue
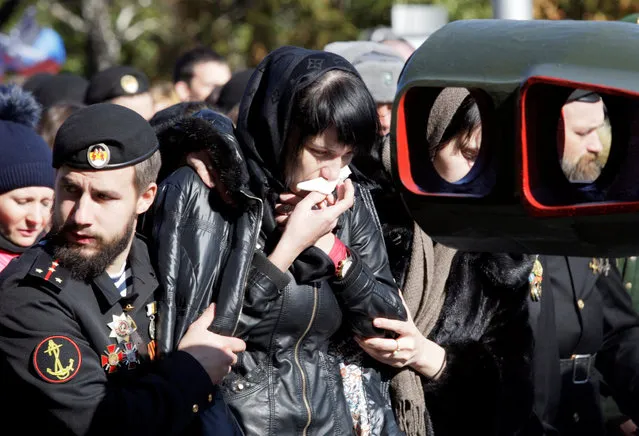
{"points": [[320, 184]]}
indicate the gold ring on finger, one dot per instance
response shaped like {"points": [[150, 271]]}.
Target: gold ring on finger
{"points": [[397, 349]]}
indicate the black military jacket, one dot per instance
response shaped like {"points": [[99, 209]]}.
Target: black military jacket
{"points": [[78, 358], [584, 310]]}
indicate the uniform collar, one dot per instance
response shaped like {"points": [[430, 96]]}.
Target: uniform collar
{"points": [[584, 278], [144, 282]]}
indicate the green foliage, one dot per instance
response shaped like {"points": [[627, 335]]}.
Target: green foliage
{"points": [[460, 9], [244, 31]]}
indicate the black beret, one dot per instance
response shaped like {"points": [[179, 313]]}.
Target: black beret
{"points": [[116, 82], [34, 81], [61, 88], [103, 136]]}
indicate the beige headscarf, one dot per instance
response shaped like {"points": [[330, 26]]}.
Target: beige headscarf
{"points": [[425, 286]]}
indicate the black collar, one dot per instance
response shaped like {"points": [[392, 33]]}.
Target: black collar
{"points": [[144, 282]]}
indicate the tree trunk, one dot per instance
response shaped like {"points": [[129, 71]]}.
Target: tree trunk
{"points": [[103, 46]]}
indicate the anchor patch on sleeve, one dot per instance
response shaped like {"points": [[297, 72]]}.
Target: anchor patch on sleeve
{"points": [[57, 359]]}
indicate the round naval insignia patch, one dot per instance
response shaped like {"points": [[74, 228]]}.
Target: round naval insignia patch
{"points": [[57, 359], [98, 155], [129, 84]]}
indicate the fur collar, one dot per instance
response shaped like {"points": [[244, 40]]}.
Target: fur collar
{"points": [[213, 132]]}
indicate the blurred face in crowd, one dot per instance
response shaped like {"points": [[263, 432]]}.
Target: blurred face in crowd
{"points": [[207, 76], [25, 214], [384, 112], [581, 143], [94, 218], [321, 156], [142, 103], [457, 156]]}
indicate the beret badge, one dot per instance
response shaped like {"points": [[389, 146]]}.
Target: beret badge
{"points": [[129, 84], [98, 155]]}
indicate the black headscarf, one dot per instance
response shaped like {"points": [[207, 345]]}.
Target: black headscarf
{"points": [[265, 115], [262, 129]]}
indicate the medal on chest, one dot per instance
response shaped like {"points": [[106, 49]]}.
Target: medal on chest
{"points": [[125, 353], [122, 327], [151, 311], [534, 280], [599, 266], [111, 358], [131, 357]]}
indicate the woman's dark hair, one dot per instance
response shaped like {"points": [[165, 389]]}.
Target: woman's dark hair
{"points": [[338, 99], [462, 126]]}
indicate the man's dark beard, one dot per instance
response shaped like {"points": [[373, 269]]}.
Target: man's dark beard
{"points": [[84, 267], [586, 170]]}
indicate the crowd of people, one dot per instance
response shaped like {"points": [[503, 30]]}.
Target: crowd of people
{"points": [[166, 268]]}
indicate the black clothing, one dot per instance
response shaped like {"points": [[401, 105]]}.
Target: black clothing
{"points": [[214, 246], [583, 312], [62, 360], [215, 261], [483, 326], [203, 255], [486, 387]]}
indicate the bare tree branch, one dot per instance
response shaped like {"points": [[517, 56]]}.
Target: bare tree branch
{"points": [[123, 21], [104, 46], [66, 16], [139, 28]]}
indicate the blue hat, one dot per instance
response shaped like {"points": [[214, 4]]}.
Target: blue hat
{"points": [[25, 157]]}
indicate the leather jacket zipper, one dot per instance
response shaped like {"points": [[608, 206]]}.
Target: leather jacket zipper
{"points": [[256, 234], [307, 404]]}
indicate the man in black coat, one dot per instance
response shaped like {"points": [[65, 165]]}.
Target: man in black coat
{"points": [[586, 334], [78, 311]]}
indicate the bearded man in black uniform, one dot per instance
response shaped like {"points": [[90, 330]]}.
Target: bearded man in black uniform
{"points": [[586, 334], [586, 330], [78, 311]]}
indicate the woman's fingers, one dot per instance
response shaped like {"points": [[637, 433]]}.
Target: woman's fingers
{"points": [[346, 192], [380, 344], [290, 198], [399, 327], [284, 208], [384, 351]]}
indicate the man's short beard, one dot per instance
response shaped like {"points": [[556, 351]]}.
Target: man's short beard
{"points": [[586, 170], [83, 267]]}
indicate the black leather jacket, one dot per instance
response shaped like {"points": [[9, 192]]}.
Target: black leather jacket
{"points": [[287, 382], [200, 251]]}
